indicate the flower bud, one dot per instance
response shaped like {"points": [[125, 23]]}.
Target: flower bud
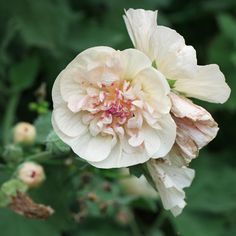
{"points": [[31, 174], [24, 133], [12, 153]]}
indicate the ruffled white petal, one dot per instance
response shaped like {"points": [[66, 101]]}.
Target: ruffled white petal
{"points": [[152, 140], [167, 135], [85, 144], [56, 93], [91, 148], [140, 25], [173, 58], [69, 85], [91, 57], [120, 158], [170, 181], [208, 85], [155, 87], [69, 123], [195, 127], [133, 61]]}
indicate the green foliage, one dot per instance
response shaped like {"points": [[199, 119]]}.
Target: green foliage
{"points": [[10, 189], [136, 170], [13, 153], [56, 145], [211, 206], [43, 127], [22, 75], [22, 227], [37, 40]]}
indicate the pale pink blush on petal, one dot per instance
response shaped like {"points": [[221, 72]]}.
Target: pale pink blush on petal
{"points": [[195, 126]]}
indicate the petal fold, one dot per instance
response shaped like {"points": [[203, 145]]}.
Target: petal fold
{"points": [[170, 180]]}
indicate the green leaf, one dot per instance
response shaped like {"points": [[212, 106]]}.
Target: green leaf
{"points": [[58, 178], [11, 187], [12, 224], [227, 25], [43, 127], [144, 203], [196, 224], [4, 199], [171, 83], [23, 74], [44, 24], [215, 185], [211, 198], [101, 227], [136, 170], [56, 145], [13, 153]]}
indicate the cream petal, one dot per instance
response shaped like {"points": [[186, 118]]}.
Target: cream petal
{"points": [[170, 181], [92, 57], [76, 102], [93, 149], [176, 210], [195, 126], [155, 88], [84, 145], [167, 135], [181, 177], [173, 58], [136, 140], [208, 85], [69, 123], [183, 107], [56, 93], [133, 61], [119, 158], [140, 25], [81, 69], [151, 140], [69, 83], [162, 44], [153, 82]]}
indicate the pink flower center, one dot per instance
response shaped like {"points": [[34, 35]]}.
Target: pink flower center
{"points": [[114, 103]]}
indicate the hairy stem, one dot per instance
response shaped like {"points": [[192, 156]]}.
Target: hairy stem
{"points": [[9, 117]]}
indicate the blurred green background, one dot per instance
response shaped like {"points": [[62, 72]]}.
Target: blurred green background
{"points": [[39, 38]]}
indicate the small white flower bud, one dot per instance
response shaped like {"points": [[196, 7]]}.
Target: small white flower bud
{"points": [[31, 174], [24, 133]]}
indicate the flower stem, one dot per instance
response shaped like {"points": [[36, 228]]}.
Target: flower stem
{"points": [[39, 156], [134, 228], [9, 117]]}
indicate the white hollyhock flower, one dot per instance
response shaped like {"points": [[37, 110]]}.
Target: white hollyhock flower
{"points": [[112, 108], [170, 179], [175, 60]]}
